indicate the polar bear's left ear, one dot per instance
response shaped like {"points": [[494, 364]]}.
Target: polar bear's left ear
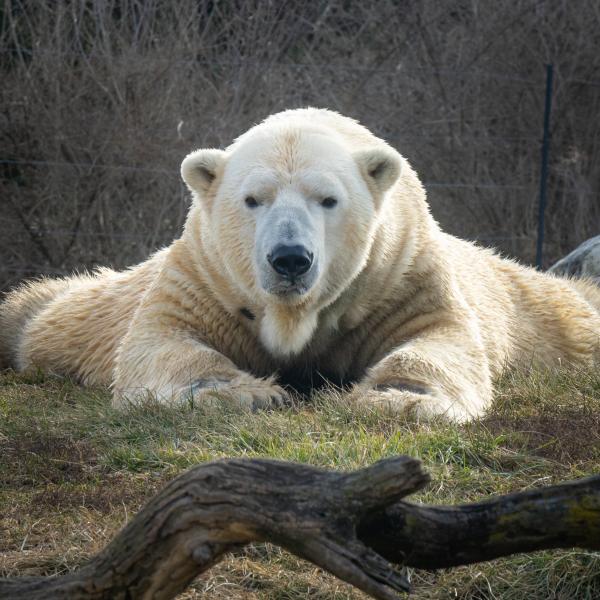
{"points": [[200, 168], [381, 167]]}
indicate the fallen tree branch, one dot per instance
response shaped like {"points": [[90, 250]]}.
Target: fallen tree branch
{"points": [[437, 537], [216, 507], [350, 524]]}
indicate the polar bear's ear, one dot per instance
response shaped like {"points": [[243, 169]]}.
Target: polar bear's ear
{"points": [[200, 168], [381, 167]]}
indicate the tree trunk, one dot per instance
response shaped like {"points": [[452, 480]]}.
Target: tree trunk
{"points": [[350, 524]]}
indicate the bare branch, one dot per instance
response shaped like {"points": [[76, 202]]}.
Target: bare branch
{"points": [[351, 524]]}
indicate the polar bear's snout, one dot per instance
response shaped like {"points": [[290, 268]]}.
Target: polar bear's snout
{"points": [[288, 269], [290, 261], [288, 245]]}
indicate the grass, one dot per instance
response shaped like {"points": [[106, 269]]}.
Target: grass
{"points": [[73, 470]]}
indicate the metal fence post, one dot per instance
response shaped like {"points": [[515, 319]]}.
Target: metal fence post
{"points": [[544, 170]]}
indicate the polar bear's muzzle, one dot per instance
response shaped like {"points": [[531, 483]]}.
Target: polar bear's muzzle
{"points": [[287, 250]]}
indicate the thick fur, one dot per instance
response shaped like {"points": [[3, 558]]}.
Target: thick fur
{"points": [[420, 320]]}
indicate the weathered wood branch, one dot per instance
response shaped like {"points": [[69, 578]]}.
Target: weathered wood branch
{"points": [[218, 506], [351, 524], [436, 537]]}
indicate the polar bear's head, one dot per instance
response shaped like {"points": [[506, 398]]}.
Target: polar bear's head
{"points": [[292, 206]]}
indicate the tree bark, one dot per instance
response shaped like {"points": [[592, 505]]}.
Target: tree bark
{"points": [[436, 537], [351, 524]]}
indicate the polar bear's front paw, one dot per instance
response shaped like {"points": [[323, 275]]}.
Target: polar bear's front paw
{"points": [[246, 391], [409, 399]]}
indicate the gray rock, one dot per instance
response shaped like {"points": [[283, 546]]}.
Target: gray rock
{"points": [[584, 261]]}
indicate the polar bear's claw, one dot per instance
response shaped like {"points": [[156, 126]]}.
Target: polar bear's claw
{"points": [[413, 402], [246, 391]]}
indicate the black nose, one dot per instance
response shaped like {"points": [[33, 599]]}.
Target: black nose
{"points": [[290, 261]]}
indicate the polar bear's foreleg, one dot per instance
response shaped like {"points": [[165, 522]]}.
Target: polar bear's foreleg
{"points": [[443, 372], [181, 369]]}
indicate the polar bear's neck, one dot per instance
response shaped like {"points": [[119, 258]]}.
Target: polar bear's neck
{"points": [[286, 333]]}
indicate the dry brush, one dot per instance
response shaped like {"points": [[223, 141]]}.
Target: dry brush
{"points": [[103, 98]]}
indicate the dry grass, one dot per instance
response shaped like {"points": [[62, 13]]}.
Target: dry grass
{"points": [[74, 470]]}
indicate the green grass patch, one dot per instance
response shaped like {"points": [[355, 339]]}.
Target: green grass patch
{"points": [[73, 470]]}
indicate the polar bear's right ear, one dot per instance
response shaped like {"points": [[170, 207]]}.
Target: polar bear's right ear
{"points": [[381, 167], [200, 168]]}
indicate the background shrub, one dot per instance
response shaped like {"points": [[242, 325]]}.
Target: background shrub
{"points": [[101, 100]]}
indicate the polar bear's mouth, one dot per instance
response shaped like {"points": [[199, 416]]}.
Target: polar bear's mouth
{"points": [[289, 288]]}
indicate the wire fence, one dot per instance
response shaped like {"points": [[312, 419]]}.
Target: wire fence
{"points": [[175, 173], [337, 66], [400, 69]]}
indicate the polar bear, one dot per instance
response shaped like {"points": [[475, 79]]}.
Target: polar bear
{"points": [[309, 252]]}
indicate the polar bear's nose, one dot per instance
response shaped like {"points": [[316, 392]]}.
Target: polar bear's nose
{"points": [[290, 261]]}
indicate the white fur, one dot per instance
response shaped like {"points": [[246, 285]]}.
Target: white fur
{"points": [[283, 337]]}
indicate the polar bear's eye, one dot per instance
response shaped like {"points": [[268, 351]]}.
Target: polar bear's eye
{"points": [[328, 202], [251, 202]]}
